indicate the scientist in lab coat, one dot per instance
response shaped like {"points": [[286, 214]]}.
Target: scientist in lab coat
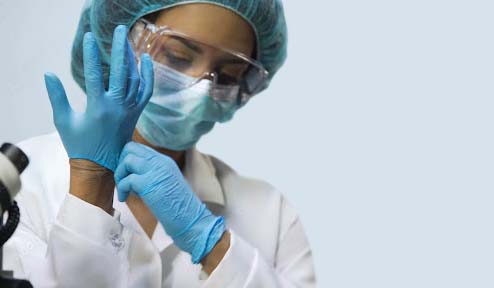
{"points": [[119, 196]]}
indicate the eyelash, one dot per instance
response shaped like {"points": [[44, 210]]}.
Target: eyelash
{"points": [[179, 61], [183, 64]]}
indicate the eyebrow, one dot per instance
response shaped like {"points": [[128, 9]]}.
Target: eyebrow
{"points": [[198, 49], [189, 44], [233, 61]]}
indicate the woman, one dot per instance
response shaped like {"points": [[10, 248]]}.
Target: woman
{"points": [[120, 197]]}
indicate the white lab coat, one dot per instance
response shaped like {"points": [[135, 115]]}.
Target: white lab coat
{"points": [[63, 241]]}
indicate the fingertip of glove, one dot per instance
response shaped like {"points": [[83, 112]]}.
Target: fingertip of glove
{"points": [[122, 197], [88, 36], [145, 61], [121, 29], [48, 75], [50, 78], [146, 57]]}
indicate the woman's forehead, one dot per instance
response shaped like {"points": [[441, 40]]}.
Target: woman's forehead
{"points": [[211, 24]]}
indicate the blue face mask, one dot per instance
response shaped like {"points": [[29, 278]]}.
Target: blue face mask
{"points": [[177, 116]]}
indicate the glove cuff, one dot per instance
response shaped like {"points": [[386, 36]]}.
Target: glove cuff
{"points": [[215, 233], [200, 239]]}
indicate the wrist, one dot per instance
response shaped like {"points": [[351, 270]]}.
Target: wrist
{"points": [[92, 183], [214, 257]]}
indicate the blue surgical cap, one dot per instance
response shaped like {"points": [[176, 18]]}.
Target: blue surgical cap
{"points": [[102, 16]]}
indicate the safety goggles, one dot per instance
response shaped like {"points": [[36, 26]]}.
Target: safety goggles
{"points": [[186, 55]]}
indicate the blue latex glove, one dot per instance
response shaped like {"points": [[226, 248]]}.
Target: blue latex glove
{"points": [[156, 179], [100, 133]]}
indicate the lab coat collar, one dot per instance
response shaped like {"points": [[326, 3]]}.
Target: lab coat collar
{"points": [[200, 173]]}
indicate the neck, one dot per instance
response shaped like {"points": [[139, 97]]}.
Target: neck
{"points": [[178, 156]]}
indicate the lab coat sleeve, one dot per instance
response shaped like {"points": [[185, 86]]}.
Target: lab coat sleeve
{"points": [[244, 266], [86, 247]]}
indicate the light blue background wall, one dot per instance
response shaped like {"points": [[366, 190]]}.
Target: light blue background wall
{"points": [[379, 130]]}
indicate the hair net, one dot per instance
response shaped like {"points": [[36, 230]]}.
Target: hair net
{"points": [[102, 16]]}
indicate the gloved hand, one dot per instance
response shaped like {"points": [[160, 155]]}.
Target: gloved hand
{"points": [[156, 179], [100, 133]]}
